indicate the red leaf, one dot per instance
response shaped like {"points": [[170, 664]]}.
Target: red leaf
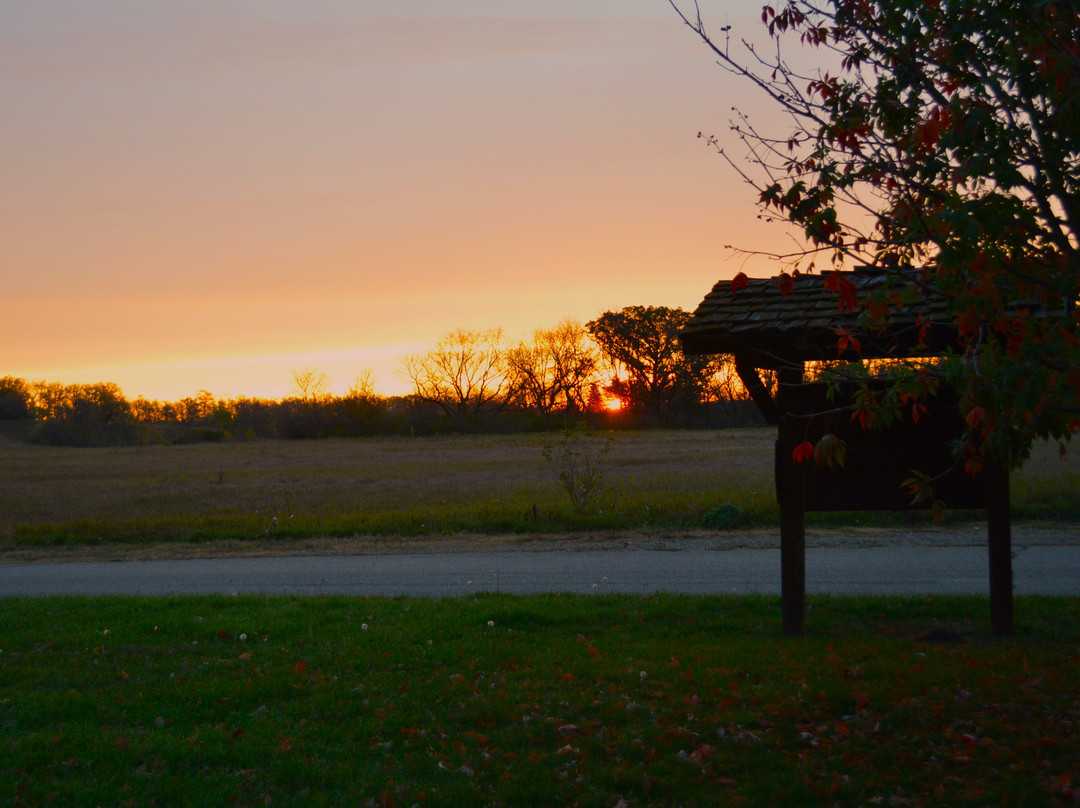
{"points": [[803, 453], [738, 283], [845, 289], [479, 737], [847, 341], [975, 416]]}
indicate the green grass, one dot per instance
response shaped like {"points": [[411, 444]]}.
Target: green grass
{"points": [[555, 700], [394, 487]]}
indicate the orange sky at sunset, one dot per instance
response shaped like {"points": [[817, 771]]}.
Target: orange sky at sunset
{"points": [[208, 195]]}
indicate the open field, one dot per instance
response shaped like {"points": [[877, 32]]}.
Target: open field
{"points": [[425, 489], [554, 700]]}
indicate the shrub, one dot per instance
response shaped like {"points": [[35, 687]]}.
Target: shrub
{"points": [[578, 463], [726, 517]]}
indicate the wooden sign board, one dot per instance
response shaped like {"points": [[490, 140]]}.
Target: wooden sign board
{"points": [[876, 462]]}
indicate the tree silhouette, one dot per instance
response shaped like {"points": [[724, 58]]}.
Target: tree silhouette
{"points": [[464, 374], [652, 375]]}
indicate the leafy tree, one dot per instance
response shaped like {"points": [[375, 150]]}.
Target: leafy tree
{"points": [[200, 408], [641, 342], [939, 142], [146, 411], [15, 399], [48, 399], [102, 403]]}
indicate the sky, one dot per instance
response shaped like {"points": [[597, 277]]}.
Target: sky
{"points": [[212, 194]]}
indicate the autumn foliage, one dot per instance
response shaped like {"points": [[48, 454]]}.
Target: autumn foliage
{"points": [[938, 142]]}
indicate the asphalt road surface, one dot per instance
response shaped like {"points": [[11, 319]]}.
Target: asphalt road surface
{"points": [[1048, 570]]}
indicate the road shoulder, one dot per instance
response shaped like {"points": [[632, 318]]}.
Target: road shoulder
{"points": [[855, 535]]}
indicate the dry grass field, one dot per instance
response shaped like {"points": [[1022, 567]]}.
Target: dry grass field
{"points": [[412, 487]]}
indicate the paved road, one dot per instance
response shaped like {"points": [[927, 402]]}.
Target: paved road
{"points": [[1050, 570]]}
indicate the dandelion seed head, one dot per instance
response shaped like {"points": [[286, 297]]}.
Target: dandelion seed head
{"points": [[243, 638], [363, 626], [491, 624], [643, 674]]}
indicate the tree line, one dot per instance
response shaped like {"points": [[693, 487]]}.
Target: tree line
{"points": [[623, 369]]}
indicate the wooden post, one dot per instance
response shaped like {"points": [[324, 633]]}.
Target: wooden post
{"points": [[793, 555], [792, 517], [999, 539]]}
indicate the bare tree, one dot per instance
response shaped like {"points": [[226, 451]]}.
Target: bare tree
{"points": [[311, 385], [464, 373], [555, 370], [363, 386]]}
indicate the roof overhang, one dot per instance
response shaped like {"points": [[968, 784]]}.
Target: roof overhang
{"points": [[774, 322]]}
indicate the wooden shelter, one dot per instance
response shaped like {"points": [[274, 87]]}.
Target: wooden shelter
{"points": [[781, 324]]}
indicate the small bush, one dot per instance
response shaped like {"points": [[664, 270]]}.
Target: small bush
{"points": [[725, 517], [578, 461]]}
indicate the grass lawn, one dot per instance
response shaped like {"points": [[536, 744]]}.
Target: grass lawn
{"points": [[549, 701]]}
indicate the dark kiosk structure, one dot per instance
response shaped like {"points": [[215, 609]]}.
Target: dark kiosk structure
{"points": [[781, 324]]}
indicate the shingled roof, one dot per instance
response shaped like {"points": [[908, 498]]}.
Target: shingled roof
{"points": [[773, 321]]}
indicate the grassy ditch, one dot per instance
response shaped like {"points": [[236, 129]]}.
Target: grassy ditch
{"points": [[554, 700], [669, 480]]}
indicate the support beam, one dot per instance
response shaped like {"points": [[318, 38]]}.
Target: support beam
{"points": [[793, 555], [755, 388], [999, 539], [792, 498]]}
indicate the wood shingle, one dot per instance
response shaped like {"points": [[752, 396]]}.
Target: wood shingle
{"points": [[775, 321]]}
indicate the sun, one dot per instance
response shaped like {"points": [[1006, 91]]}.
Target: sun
{"points": [[613, 404]]}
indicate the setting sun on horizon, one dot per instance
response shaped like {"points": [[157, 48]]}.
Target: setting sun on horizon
{"points": [[209, 197]]}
